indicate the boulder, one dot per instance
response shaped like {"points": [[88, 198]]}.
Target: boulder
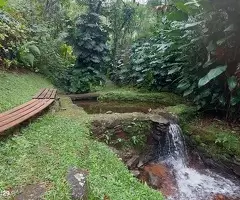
{"points": [[159, 177], [132, 162], [77, 179], [135, 173]]}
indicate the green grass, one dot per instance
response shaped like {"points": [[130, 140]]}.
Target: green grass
{"points": [[16, 89], [47, 148], [127, 94]]}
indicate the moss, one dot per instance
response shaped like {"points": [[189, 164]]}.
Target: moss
{"points": [[217, 140], [183, 111], [163, 98]]}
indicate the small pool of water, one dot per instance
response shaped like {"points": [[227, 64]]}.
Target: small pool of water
{"points": [[95, 107]]}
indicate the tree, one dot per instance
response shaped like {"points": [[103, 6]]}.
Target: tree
{"points": [[89, 40]]}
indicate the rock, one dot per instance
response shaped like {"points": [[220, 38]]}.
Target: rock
{"points": [[159, 131], [236, 170], [77, 180], [159, 177], [132, 162], [146, 158], [135, 173], [220, 197], [109, 112], [32, 192], [159, 119]]}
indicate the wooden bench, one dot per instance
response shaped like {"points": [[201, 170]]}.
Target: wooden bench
{"points": [[17, 115], [46, 94]]}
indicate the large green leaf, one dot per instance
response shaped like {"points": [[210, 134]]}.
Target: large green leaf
{"points": [[177, 16], [235, 100], [34, 50], [182, 6], [193, 2], [229, 28], [2, 3], [213, 73], [192, 25], [28, 59], [232, 83]]}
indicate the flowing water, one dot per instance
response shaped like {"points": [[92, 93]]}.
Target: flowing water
{"points": [[192, 184]]}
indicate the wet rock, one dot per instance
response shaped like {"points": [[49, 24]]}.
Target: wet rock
{"points": [[159, 119], [159, 131], [146, 158], [77, 180], [32, 192], [135, 173], [159, 177], [132, 163], [109, 112], [236, 170], [221, 197]]}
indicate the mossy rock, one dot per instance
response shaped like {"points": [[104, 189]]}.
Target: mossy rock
{"points": [[183, 111]]}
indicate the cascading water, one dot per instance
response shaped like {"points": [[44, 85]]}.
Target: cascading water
{"points": [[191, 184]]}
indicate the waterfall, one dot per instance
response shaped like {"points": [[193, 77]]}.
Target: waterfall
{"points": [[192, 185], [175, 144]]}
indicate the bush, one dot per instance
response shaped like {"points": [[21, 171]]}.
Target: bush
{"points": [[195, 53]]}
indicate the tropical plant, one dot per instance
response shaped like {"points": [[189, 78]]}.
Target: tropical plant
{"points": [[28, 52], [89, 40], [192, 55]]}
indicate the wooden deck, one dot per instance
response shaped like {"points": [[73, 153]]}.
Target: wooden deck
{"points": [[17, 115]]}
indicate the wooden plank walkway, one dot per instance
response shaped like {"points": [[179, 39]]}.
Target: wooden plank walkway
{"points": [[27, 110]]}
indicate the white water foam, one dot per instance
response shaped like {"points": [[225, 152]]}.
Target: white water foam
{"points": [[193, 185]]}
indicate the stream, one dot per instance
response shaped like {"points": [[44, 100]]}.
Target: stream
{"points": [[192, 184], [171, 171]]}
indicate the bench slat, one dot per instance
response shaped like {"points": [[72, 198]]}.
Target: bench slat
{"points": [[53, 95], [16, 112], [19, 114], [48, 95], [42, 96], [27, 115], [38, 94], [17, 108]]}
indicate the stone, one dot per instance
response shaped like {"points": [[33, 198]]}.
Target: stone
{"points": [[159, 119], [145, 158], [32, 192], [159, 177], [236, 170], [220, 197], [135, 173], [109, 112], [132, 162], [77, 180]]}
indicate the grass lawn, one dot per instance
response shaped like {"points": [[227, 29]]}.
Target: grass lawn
{"points": [[47, 148], [17, 89]]}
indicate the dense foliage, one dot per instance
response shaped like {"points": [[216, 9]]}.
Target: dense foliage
{"points": [[89, 40], [188, 47], [194, 52]]}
